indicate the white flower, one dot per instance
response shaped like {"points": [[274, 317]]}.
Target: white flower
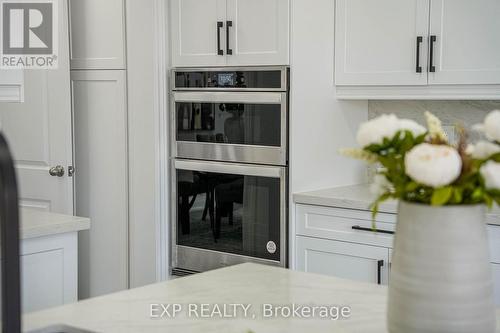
{"points": [[385, 126], [491, 126], [482, 150], [433, 165], [380, 185], [491, 175], [374, 131], [409, 125], [435, 128]]}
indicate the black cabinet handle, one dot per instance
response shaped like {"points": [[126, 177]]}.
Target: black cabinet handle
{"points": [[420, 39], [229, 24], [432, 68], [357, 227], [219, 26], [380, 264]]}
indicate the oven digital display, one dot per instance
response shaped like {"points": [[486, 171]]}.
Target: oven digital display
{"points": [[225, 79]]}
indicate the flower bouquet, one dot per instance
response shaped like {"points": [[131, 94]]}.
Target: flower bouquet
{"points": [[440, 280]]}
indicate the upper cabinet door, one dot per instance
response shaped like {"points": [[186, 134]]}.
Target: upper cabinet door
{"points": [[377, 41], [97, 34], [258, 32], [467, 46], [198, 32]]}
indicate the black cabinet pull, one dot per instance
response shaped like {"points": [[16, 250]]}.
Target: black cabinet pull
{"points": [[219, 26], [432, 68], [380, 264], [229, 24], [357, 227], [419, 41]]}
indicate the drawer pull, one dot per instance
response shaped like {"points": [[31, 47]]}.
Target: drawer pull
{"points": [[380, 264], [357, 227]]}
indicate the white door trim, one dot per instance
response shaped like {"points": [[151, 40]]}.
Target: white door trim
{"points": [[162, 194]]}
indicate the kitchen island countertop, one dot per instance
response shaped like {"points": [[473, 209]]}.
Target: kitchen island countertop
{"points": [[257, 285]]}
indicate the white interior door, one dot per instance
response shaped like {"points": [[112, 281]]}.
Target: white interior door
{"points": [[259, 33], [39, 131], [195, 32], [467, 43], [376, 42]]}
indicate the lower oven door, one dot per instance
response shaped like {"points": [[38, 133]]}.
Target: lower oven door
{"points": [[246, 127], [227, 213]]}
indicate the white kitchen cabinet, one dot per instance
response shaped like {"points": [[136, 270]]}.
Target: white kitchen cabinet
{"points": [[341, 259], [101, 184], [11, 85], [496, 278], [376, 42], [230, 32], [97, 34], [340, 242], [467, 41], [259, 33], [376, 53], [49, 271], [196, 27]]}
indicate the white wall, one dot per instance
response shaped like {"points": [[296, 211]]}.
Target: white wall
{"points": [[319, 124], [140, 18]]}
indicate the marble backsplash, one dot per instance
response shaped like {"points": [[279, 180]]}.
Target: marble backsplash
{"points": [[451, 113]]}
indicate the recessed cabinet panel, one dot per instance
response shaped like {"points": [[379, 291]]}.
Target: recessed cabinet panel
{"points": [[467, 43], [100, 117], [259, 32], [196, 38], [97, 34], [344, 260], [376, 42]]}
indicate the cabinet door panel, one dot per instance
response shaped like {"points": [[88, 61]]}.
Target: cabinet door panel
{"points": [[496, 281], [341, 259], [97, 34], [100, 117], [376, 42], [260, 32], [467, 41], [194, 32]]}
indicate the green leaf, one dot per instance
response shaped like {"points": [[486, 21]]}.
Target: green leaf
{"points": [[457, 195], [411, 186], [441, 196]]}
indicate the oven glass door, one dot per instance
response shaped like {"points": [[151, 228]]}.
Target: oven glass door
{"points": [[231, 208], [235, 127]]}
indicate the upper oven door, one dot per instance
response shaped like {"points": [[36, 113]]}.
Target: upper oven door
{"points": [[247, 127]]}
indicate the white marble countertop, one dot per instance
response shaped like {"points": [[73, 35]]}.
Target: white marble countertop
{"points": [[36, 223], [129, 311], [359, 197]]}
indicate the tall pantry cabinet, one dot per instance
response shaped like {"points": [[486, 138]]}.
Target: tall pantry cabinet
{"points": [[99, 92]]}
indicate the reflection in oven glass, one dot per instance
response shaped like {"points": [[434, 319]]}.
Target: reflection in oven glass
{"points": [[232, 123], [229, 213]]}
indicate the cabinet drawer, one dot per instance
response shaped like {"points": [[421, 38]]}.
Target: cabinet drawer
{"points": [[338, 223], [344, 260]]}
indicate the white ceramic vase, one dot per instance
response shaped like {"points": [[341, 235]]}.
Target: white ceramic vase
{"points": [[441, 278]]}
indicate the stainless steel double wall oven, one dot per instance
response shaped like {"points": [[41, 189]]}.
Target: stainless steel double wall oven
{"points": [[230, 167]]}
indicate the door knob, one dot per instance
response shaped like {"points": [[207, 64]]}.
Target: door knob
{"points": [[58, 171]]}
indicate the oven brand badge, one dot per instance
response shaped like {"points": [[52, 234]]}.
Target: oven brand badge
{"points": [[28, 34], [271, 247]]}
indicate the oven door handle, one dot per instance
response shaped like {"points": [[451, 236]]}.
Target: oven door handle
{"points": [[231, 168], [230, 97]]}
